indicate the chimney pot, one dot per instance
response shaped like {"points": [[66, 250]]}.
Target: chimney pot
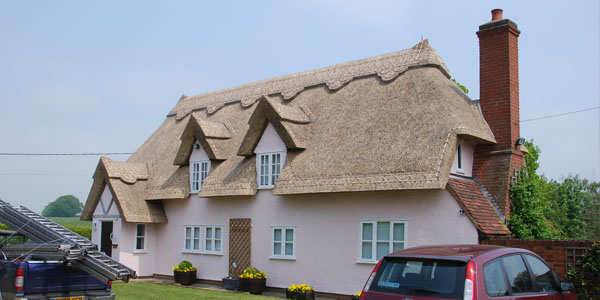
{"points": [[496, 14]]}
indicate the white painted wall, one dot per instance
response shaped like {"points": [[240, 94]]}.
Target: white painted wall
{"points": [[270, 142], [468, 151], [141, 261], [105, 211], [327, 232]]}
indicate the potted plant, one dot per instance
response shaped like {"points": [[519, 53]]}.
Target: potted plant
{"points": [[300, 292], [184, 273], [253, 281]]}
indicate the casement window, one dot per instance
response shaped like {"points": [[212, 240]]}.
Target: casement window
{"points": [[203, 239], [269, 167], [379, 238], [283, 242], [212, 239], [140, 237], [198, 172], [459, 157], [191, 238]]}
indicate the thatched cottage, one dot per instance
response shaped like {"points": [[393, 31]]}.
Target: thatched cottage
{"points": [[313, 177]]}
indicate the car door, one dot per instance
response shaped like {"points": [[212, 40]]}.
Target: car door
{"points": [[524, 283]]}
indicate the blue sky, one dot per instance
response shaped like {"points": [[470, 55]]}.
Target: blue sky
{"points": [[83, 76]]}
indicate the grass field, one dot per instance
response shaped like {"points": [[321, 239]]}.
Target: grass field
{"points": [[72, 222], [143, 290]]}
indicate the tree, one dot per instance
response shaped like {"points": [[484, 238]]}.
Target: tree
{"points": [[63, 206]]}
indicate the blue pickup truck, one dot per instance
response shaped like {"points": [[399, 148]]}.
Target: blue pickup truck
{"points": [[49, 280], [52, 262]]}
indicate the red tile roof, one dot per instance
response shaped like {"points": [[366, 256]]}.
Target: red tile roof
{"points": [[479, 209]]}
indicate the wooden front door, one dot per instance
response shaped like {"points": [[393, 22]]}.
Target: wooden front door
{"points": [[240, 242], [105, 237]]}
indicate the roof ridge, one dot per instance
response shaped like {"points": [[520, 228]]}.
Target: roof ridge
{"points": [[387, 66]]}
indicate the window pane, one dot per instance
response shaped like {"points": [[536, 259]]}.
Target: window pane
{"points": [[289, 235], [398, 232], [196, 244], [208, 232], [217, 245], [383, 249], [277, 235], [197, 232], [277, 249], [495, 284], [140, 243], [289, 249], [188, 244], [398, 247], [367, 233], [208, 245], [140, 229], [383, 231], [544, 278], [367, 250], [517, 273], [188, 232]]}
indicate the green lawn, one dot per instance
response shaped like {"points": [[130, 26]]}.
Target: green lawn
{"points": [[72, 222], [144, 290]]}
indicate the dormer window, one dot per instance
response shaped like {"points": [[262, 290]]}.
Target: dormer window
{"points": [[198, 172], [269, 168], [459, 157]]}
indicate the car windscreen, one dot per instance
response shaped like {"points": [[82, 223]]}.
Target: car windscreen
{"points": [[421, 277]]}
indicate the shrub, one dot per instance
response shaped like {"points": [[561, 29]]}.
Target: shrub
{"points": [[587, 283], [184, 266]]}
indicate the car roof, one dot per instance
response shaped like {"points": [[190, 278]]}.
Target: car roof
{"points": [[458, 252]]}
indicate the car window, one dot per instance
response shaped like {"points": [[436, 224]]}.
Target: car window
{"points": [[518, 276], [544, 278], [495, 284], [430, 278]]}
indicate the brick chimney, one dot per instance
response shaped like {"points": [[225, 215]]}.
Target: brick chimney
{"points": [[494, 165]]}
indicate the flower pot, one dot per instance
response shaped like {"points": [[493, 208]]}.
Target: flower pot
{"points": [[185, 278], [231, 283], [253, 286], [310, 295]]}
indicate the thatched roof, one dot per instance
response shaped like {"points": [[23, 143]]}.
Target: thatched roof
{"points": [[389, 122]]}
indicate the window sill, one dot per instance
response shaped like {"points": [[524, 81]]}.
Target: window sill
{"points": [[282, 257], [191, 252], [140, 252], [202, 252], [265, 187], [366, 262], [213, 253]]}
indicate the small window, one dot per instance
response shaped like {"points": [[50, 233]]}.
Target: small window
{"points": [[379, 238], [269, 168], [192, 238], [545, 281], [495, 284], [518, 276], [212, 239], [459, 156], [284, 242], [198, 172], [140, 237]]}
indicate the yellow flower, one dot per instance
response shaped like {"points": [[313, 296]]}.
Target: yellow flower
{"points": [[358, 294]]}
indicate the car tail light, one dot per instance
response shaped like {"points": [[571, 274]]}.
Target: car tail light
{"points": [[19, 279], [469, 293], [108, 286], [363, 294]]}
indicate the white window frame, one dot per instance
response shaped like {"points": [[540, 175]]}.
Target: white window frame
{"points": [[141, 236], [267, 170], [391, 241], [212, 240], [193, 229], [283, 242], [198, 172]]}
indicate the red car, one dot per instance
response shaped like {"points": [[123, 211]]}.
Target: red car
{"points": [[473, 272]]}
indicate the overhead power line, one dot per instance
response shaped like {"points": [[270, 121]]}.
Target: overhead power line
{"points": [[557, 115], [62, 154]]}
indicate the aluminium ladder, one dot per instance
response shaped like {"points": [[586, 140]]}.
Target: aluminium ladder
{"points": [[55, 241]]}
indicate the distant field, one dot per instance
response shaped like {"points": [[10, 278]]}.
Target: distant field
{"points": [[72, 222]]}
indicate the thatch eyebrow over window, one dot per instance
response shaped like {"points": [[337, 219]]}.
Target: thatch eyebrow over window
{"points": [[290, 122], [211, 136]]}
